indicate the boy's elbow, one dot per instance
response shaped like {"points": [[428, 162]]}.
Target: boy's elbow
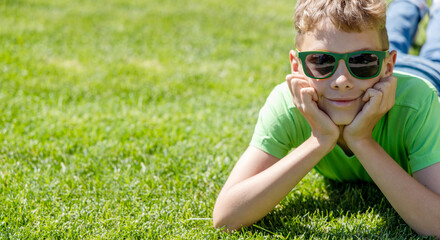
{"points": [[432, 228], [435, 231], [225, 226], [426, 233], [216, 221], [221, 222]]}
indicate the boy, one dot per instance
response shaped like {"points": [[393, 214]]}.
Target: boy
{"points": [[345, 113]]}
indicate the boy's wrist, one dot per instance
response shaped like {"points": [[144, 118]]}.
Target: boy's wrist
{"points": [[324, 143], [359, 144]]}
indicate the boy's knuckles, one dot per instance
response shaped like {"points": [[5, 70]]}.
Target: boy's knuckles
{"points": [[376, 92], [307, 90], [383, 86], [304, 92], [371, 92], [379, 94]]}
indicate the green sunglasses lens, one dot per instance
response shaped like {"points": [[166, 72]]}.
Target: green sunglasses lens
{"points": [[320, 65], [365, 65]]}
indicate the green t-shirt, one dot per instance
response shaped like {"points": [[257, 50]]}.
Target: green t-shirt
{"points": [[409, 132]]}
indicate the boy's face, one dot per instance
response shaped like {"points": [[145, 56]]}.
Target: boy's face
{"points": [[340, 95]]}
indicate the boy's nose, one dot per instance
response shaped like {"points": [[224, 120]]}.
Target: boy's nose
{"points": [[341, 79]]}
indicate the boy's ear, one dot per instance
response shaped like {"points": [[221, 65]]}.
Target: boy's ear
{"points": [[294, 64], [390, 61]]}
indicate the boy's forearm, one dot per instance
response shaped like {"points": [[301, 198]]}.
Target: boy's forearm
{"points": [[416, 204], [253, 198]]}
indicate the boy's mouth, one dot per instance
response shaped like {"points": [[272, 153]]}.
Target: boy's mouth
{"points": [[342, 102]]}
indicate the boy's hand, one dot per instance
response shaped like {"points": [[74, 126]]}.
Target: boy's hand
{"points": [[379, 100], [305, 99]]}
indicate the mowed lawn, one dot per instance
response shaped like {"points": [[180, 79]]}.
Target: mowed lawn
{"points": [[122, 120]]}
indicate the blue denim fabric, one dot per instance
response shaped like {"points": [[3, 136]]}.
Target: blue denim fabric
{"points": [[403, 17], [431, 49]]}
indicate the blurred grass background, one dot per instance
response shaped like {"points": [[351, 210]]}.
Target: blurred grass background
{"points": [[122, 119]]}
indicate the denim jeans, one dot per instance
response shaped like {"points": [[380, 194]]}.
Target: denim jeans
{"points": [[403, 17]]}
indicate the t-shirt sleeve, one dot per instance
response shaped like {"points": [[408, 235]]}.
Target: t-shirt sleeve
{"points": [[424, 135], [269, 135], [276, 131]]}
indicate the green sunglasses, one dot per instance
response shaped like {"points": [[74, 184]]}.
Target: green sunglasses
{"points": [[362, 64]]}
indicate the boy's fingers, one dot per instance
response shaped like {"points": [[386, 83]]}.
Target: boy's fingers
{"points": [[295, 80], [372, 95], [386, 84], [304, 96], [311, 92], [307, 93], [307, 97], [294, 77], [295, 86], [391, 79], [374, 99], [315, 96]]}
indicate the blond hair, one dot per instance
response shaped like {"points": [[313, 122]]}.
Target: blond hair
{"points": [[345, 15]]}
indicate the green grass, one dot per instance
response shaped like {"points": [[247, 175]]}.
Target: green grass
{"points": [[122, 119]]}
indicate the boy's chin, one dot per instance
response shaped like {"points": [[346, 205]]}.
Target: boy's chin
{"points": [[342, 119]]}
